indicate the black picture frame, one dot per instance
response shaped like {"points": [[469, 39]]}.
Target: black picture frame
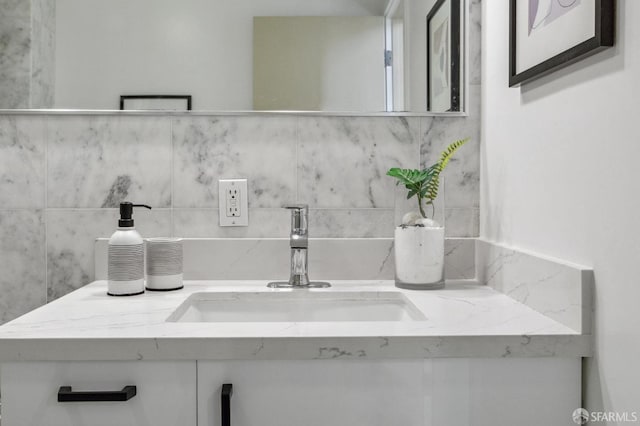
{"points": [[604, 30], [186, 98], [455, 18]]}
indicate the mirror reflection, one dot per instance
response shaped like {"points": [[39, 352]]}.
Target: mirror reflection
{"points": [[224, 55]]}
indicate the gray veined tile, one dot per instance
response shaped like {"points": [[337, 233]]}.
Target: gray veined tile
{"points": [[43, 12], [22, 162], [49, 12], [462, 222], [70, 241], [97, 162], [201, 223], [42, 66], [22, 261], [15, 9], [460, 263], [15, 62], [351, 223], [276, 223], [261, 149], [342, 161], [462, 177]]}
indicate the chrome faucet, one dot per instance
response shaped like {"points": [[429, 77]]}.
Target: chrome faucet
{"points": [[299, 242]]}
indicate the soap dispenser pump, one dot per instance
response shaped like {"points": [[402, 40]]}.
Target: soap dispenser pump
{"points": [[126, 255]]}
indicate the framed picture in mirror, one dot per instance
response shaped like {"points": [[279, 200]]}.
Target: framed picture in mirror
{"points": [[443, 56], [546, 35], [156, 102]]}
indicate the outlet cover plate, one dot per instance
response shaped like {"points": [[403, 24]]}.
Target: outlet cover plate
{"points": [[233, 205]]}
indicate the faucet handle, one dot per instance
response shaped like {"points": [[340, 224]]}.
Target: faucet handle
{"points": [[299, 214], [298, 207]]}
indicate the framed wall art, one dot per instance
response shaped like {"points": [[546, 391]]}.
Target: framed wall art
{"points": [[156, 102], [546, 35], [443, 56]]}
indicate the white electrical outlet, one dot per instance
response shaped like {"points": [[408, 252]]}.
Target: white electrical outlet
{"points": [[233, 204]]}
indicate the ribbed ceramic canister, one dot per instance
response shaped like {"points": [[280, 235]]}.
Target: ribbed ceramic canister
{"points": [[164, 264]]}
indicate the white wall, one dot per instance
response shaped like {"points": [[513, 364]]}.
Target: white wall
{"points": [[560, 176], [330, 63], [202, 47]]}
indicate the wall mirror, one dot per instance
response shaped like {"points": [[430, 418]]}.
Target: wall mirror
{"points": [[237, 55]]}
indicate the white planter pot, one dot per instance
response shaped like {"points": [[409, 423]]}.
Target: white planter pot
{"points": [[419, 257]]}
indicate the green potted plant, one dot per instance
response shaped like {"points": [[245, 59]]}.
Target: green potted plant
{"points": [[419, 239]]}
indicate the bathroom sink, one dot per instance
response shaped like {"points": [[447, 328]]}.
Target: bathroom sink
{"points": [[296, 306]]}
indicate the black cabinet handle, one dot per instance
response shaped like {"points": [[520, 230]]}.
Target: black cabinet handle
{"points": [[65, 394], [225, 404]]}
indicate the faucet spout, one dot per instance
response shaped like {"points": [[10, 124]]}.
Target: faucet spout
{"points": [[299, 226]]}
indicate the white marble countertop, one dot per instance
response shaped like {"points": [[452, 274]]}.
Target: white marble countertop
{"points": [[463, 320]]}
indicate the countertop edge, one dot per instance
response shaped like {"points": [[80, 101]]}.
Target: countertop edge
{"points": [[298, 348]]}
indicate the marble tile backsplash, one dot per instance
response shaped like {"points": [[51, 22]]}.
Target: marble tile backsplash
{"points": [[342, 161], [22, 262], [260, 148], [27, 53], [22, 162], [96, 162], [43, 53], [15, 60], [63, 176]]}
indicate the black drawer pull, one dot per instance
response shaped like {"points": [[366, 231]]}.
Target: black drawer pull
{"points": [[65, 394], [225, 404]]}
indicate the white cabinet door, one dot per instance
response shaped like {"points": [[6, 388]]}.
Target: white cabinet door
{"points": [[314, 393], [165, 393], [503, 391], [432, 392]]}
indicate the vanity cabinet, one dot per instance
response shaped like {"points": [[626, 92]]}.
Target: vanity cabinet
{"points": [[165, 393], [480, 358], [354, 392], [313, 393], [431, 392]]}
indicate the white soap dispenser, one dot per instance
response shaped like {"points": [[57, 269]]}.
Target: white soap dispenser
{"points": [[126, 256]]}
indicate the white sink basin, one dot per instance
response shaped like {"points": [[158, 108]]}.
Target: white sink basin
{"points": [[296, 306]]}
